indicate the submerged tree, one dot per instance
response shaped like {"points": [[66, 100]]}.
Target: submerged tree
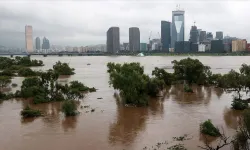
{"points": [[63, 69], [135, 87], [191, 70]]}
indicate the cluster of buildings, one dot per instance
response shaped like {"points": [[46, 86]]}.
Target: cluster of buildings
{"points": [[45, 46], [172, 39]]}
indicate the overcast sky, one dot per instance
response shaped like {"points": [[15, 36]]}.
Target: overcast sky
{"points": [[80, 23]]}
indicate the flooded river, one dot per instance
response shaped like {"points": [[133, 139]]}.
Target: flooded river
{"points": [[112, 126]]}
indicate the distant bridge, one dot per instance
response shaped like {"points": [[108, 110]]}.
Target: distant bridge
{"points": [[54, 53]]}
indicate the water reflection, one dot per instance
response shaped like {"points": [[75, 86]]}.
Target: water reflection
{"points": [[218, 92], [27, 120], [69, 123], [201, 95], [130, 121], [231, 117]]}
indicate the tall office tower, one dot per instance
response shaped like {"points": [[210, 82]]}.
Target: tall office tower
{"points": [[113, 40], [178, 26], [203, 36], [38, 44], [134, 39], [165, 35], [210, 36], [28, 39], [45, 44], [219, 35], [194, 35]]}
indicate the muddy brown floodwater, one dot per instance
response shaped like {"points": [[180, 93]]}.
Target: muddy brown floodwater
{"points": [[112, 126]]}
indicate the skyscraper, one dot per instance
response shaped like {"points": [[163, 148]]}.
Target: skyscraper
{"points": [[178, 28], [194, 35], [210, 36], [219, 35], [45, 44], [134, 39], [166, 35], [203, 36], [113, 40], [38, 44], [28, 39]]}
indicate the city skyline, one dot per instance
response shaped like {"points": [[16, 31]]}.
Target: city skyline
{"points": [[79, 28]]}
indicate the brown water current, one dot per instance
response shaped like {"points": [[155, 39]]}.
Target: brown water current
{"points": [[115, 127]]}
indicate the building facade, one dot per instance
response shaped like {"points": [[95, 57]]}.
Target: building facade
{"points": [[194, 35], [166, 35], [202, 36], [143, 47], [178, 26], [38, 43], [217, 46], [239, 45], [182, 47], [219, 35], [28, 38], [134, 39], [210, 36], [46, 44], [201, 48], [248, 46], [113, 40]]}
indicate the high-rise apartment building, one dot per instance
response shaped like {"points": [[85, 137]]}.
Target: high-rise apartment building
{"points": [[194, 35], [178, 26], [134, 39], [202, 36], [113, 40], [165, 35], [38, 44], [28, 39], [45, 44], [219, 35]]}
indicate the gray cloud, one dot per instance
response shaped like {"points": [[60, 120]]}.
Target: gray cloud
{"points": [[75, 22]]}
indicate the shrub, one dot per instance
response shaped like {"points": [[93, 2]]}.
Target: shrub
{"points": [[92, 89], [26, 72], [7, 72], [28, 112], [63, 69], [187, 88], [4, 81], [79, 86], [208, 128], [69, 108], [41, 98], [239, 105]]}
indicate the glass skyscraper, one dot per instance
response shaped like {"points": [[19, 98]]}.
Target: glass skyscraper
{"points": [[165, 35], [178, 29]]}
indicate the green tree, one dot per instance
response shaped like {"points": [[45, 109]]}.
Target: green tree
{"points": [[69, 108], [26, 72], [63, 69], [135, 87], [28, 112], [191, 70], [161, 74], [4, 81]]}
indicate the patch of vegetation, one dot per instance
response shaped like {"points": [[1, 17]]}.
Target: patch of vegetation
{"points": [[7, 72], [177, 147], [63, 69], [161, 74], [135, 87], [69, 108], [239, 104], [209, 129], [6, 96], [181, 138], [4, 81], [187, 88], [26, 72], [28, 112], [191, 70]]}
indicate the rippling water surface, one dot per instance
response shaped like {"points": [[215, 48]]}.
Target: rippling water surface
{"points": [[113, 126]]}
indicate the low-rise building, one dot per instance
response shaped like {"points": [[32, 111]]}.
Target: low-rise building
{"points": [[201, 47], [239, 45]]}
